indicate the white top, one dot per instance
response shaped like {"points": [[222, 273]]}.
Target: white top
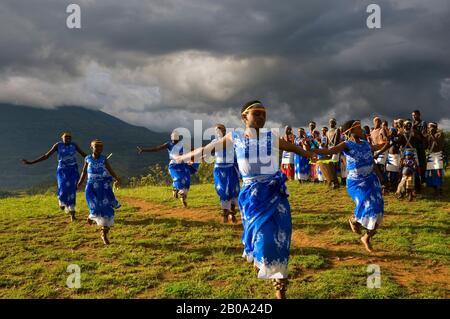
{"points": [[174, 150], [287, 158], [256, 158], [224, 157]]}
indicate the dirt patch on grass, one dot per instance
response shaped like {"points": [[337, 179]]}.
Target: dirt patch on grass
{"points": [[405, 270], [158, 210]]}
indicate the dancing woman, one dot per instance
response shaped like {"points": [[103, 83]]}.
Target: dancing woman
{"points": [[226, 177], [66, 173], [263, 200], [180, 172], [99, 194], [363, 185]]}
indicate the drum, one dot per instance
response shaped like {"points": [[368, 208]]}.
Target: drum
{"points": [[435, 161], [393, 163], [328, 172]]}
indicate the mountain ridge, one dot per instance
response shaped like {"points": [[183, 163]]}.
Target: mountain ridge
{"points": [[29, 132]]}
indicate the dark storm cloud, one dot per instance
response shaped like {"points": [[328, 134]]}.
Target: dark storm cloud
{"points": [[161, 63]]}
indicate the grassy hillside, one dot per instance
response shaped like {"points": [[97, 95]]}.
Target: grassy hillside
{"points": [[160, 250], [30, 132]]}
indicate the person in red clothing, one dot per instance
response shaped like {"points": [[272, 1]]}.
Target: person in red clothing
{"points": [[287, 160]]}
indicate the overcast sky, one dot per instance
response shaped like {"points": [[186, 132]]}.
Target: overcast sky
{"points": [[164, 63]]}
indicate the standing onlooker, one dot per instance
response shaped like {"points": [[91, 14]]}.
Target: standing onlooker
{"points": [[287, 160], [312, 127], [412, 140], [385, 131], [435, 164], [301, 163], [399, 126], [333, 134], [324, 138], [396, 143], [376, 134], [366, 130], [334, 138], [379, 137], [420, 127]]}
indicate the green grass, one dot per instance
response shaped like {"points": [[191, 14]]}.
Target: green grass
{"points": [[165, 257]]}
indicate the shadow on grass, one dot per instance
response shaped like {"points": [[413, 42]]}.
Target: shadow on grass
{"points": [[326, 253], [321, 226], [176, 221], [300, 211]]}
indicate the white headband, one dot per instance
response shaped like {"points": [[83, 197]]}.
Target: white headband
{"points": [[175, 135]]}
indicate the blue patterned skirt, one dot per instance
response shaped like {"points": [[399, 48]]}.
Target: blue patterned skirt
{"points": [[181, 176], [226, 182], [101, 201], [301, 167], [266, 217], [193, 168], [366, 193], [67, 178]]}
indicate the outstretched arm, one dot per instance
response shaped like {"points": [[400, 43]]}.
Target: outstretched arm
{"points": [[110, 170], [152, 149], [330, 151], [43, 157], [80, 151], [289, 147], [83, 175], [202, 152]]}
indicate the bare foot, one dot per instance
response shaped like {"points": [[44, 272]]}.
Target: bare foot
{"points": [[233, 219], [183, 201], [280, 286], [280, 294], [105, 237], [366, 241], [72, 216]]}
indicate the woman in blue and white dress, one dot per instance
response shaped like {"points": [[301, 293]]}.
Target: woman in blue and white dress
{"points": [[226, 177], [263, 200], [67, 172], [363, 185], [301, 163], [179, 172], [99, 194]]}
